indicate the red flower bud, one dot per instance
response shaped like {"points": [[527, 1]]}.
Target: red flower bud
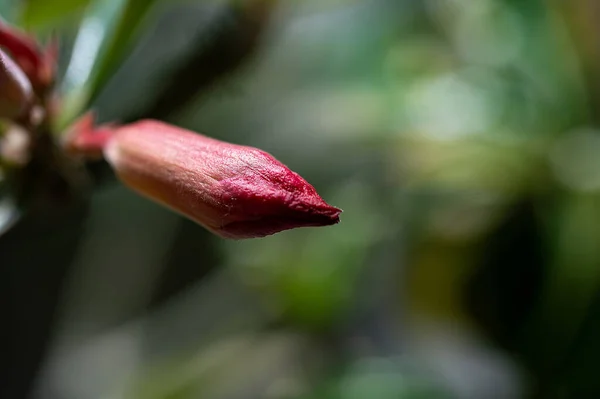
{"points": [[15, 89], [38, 64], [234, 191]]}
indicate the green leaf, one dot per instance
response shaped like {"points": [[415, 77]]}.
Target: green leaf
{"points": [[117, 44], [38, 14], [97, 26], [107, 31]]}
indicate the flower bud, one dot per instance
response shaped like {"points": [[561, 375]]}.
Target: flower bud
{"points": [[39, 65], [15, 89], [234, 191]]}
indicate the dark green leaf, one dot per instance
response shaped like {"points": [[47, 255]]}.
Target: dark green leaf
{"points": [[126, 28], [96, 30]]}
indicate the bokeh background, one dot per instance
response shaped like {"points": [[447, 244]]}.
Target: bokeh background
{"points": [[460, 137]]}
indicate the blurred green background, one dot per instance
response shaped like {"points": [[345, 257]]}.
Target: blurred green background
{"points": [[460, 137]]}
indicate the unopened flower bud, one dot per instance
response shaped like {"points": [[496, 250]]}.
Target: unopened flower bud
{"points": [[15, 89], [38, 64], [234, 191]]}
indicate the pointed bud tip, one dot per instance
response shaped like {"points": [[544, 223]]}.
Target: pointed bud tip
{"points": [[270, 225], [306, 216]]}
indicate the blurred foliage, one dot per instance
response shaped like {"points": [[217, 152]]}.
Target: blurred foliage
{"points": [[460, 138], [40, 14], [95, 45]]}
